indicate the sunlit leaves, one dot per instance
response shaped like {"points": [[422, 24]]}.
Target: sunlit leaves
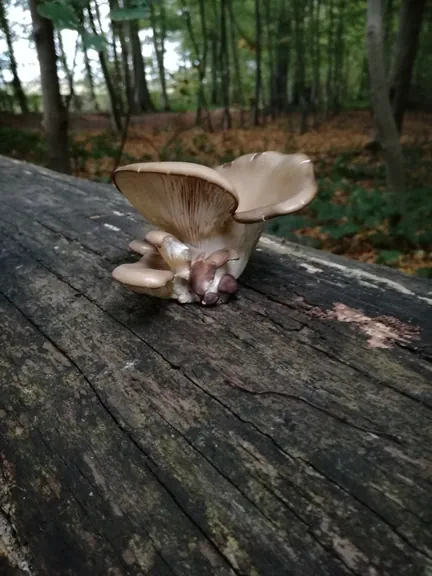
{"points": [[123, 14], [61, 13], [95, 41], [64, 16]]}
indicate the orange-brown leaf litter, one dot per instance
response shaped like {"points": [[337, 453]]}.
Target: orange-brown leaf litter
{"points": [[172, 136]]}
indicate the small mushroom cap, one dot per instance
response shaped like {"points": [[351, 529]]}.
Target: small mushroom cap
{"points": [[188, 200], [156, 237], [137, 275], [270, 184], [149, 272], [141, 247]]}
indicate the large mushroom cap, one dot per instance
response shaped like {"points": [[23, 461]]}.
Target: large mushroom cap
{"points": [[190, 201], [270, 184]]}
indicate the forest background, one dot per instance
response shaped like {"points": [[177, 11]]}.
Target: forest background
{"points": [[88, 85]]}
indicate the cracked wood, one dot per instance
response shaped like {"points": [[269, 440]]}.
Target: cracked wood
{"points": [[264, 437]]}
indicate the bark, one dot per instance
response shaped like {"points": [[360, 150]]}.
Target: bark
{"points": [[225, 71], [16, 82], [142, 94], [411, 14], [388, 24], [384, 121], [264, 438], [257, 62], [115, 111], [55, 120], [159, 47]]}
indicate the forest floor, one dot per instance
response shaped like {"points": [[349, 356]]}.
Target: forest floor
{"points": [[352, 211]]}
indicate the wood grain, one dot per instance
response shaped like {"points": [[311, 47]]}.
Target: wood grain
{"points": [[286, 433]]}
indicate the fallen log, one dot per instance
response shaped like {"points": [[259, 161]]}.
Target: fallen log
{"points": [[288, 432]]}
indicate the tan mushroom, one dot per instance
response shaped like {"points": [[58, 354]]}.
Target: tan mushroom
{"points": [[188, 200], [209, 220], [149, 275], [270, 184]]}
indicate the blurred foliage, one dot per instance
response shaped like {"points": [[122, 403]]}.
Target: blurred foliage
{"points": [[351, 214]]}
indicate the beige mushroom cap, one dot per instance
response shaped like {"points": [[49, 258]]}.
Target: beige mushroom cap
{"points": [[270, 184], [187, 200], [149, 272], [138, 275]]}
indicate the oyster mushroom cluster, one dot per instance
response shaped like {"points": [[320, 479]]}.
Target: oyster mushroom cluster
{"points": [[208, 220]]}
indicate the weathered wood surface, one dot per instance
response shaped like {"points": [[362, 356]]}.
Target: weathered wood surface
{"points": [[287, 433]]}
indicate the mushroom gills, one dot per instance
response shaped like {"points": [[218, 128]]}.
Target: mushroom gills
{"points": [[208, 220]]}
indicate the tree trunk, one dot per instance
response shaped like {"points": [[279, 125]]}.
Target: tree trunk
{"points": [[224, 60], [216, 65], [115, 112], [330, 42], [411, 14], [90, 80], [300, 98], [270, 51], [142, 93], [384, 120], [117, 75], [119, 28], [283, 53], [16, 82], [316, 64], [55, 118], [339, 47], [257, 62], [239, 95], [388, 24], [69, 74], [159, 47]]}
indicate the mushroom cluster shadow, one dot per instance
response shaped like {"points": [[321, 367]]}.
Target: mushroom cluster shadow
{"points": [[208, 220]]}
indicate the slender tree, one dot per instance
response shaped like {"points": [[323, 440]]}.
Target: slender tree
{"points": [[16, 82], [159, 35], [238, 94], [115, 111], [339, 47], [330, 51], [144, 102], [121, 33], [257, 99], [269, 18], [316, 59], [55, 118], [69, 73], [283, 56], [225, 65], [384, 121], [411, 15]]}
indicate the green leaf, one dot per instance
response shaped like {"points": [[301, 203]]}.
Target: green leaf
{"points": [[389, 257], [95, 41], [122, 14], [424, 272], [62, 15]]}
